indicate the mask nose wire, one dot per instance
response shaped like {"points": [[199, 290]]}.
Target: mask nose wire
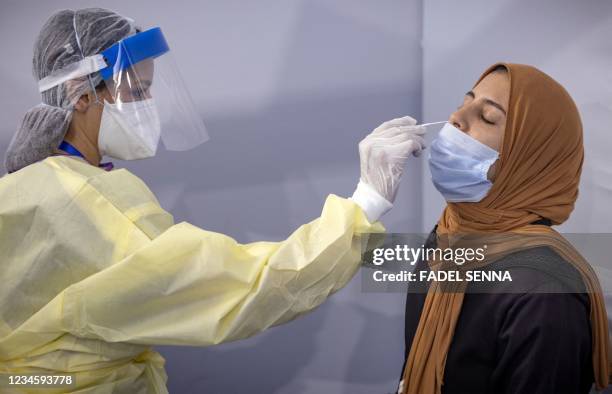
{"points": [[78, 41]]}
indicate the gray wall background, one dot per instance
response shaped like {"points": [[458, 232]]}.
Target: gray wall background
{"points": [[287, 90]]}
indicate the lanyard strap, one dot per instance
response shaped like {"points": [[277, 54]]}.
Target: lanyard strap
{"points": [[71, 150]]}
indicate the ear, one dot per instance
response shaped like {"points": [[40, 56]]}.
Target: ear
{"points": [[82, 105], [492, 173]]}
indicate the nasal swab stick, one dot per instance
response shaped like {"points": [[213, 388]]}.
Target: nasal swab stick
{"points": [[433, 123]]}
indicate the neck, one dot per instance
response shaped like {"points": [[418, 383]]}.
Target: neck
{"points": [[83, 142]]}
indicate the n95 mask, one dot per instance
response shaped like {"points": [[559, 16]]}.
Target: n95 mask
{"points": [[459, 165], [129, 130]]}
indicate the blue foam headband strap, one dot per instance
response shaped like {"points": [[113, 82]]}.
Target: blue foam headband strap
{"points": [[131, 50]]}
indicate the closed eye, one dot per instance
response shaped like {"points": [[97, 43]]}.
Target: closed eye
{"points": [[486, 120]]}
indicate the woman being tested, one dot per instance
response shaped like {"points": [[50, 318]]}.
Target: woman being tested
{"points": [[94, 271], [508, 163]]}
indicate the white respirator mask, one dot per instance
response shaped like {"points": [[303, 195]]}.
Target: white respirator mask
{"points": [[129, 130]]}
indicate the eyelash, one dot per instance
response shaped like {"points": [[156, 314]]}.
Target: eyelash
{"points": [[481, 117], [486, 121]]}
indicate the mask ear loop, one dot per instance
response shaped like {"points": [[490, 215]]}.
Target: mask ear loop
{"points": [[78, 41]]}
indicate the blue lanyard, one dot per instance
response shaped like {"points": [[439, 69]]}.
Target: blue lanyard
{"points": [[71, 150]]}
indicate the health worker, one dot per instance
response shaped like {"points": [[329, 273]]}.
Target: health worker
{"points": [[95, 272]]}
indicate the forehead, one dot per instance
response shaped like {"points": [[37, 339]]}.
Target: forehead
{"points": [[134, 75], [142, 70], [494, 86]]}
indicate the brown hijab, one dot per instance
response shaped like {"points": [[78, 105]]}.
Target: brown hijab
{"points": [[538, 175]]}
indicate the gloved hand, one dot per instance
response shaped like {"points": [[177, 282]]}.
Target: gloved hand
{"points": [[383, 154]]}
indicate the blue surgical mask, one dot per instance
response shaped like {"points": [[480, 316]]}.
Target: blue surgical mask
{"points": [[459, 165]]}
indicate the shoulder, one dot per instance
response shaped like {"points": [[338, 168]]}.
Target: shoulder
{"points": [[58, 182], [50, 182], [539, 270], [65, 175], [119, 183], [540, 279]]}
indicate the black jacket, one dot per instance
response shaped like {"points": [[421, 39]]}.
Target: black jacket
{"points": [[528, 342]]}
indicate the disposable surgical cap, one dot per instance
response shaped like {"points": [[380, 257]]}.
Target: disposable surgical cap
{"points": [[66, 38]]}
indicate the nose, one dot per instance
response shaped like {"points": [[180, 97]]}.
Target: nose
{"points": [[459, 120]]}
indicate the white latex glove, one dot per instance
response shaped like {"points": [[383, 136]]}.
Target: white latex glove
{"points": [[383, 154]]}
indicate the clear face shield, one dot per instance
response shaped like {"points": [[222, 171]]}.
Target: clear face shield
{"points": [[148, 100]]}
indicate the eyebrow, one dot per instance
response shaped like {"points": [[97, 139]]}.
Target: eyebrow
{"points": [[488, 101]]}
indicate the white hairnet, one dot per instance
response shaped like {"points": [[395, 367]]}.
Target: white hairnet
{"points": [[66, 38]]}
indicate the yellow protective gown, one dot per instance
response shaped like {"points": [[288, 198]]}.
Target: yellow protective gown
{"points": [[93, 272]]}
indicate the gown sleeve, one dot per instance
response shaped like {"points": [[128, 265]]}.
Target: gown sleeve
{"points": [[189, 286]]}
